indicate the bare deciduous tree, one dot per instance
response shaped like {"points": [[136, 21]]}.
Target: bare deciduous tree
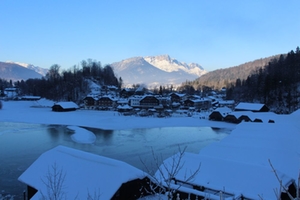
{"points": [[168, 173], [95, 196], [54, 182], [282, 188]]}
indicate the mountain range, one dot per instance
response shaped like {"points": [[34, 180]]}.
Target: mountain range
{"points": [[20, 71], [156, 70], [152, 71], [37, 69]]}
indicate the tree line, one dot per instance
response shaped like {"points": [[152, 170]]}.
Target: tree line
{"points": [[69, 85], [276, 84]]}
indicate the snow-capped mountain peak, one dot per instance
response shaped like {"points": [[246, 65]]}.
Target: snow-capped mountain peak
{"points": [[156, 70], [168, 64], [37, 69]]}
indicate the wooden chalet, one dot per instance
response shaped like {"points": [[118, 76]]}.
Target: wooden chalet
{"points": [[149, 101], [227, 103], [176, 97], [90, 102], [106, 102], [254, 107], [85, 174], [64, 106], [127, 92], [198, 103]]}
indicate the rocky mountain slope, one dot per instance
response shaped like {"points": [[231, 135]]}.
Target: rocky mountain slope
{"points": [[37, 69], [156, 70], [15, 72]]}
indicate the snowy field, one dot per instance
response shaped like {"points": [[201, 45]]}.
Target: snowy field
{"points": [[247, 148], [39, 112]]}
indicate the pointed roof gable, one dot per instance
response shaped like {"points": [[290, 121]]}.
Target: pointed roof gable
{"points": [[84, 172]]}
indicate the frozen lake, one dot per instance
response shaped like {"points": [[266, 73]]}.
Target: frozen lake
{"points": [[21, 144]]}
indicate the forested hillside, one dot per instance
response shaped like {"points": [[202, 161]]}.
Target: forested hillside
{"points": [[71, 84], [276, 84], [224, 77]]}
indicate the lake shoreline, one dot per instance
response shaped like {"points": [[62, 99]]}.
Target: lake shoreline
{"points": [[27, 112]]}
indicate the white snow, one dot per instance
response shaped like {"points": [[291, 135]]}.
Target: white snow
{"points": [[34, 112], [249, 106], [67, 104], [235, 163], [82, 135], [84, 173], [165, 63], [239, 164]]}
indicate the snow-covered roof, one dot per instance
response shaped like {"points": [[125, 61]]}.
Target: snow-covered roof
{"points": [[239, 163], [31, 97], [200, 100], [85, 172], [67, 104], [249, 106], [226, 102], [264, 116], [124, 107], [258, 142], [178, 94], [223, 110], [229, 176]]}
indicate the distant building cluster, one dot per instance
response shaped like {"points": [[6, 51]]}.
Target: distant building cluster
{"points": [[137, 101]]}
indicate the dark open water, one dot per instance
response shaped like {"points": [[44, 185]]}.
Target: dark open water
{"points": [[21, 144]]}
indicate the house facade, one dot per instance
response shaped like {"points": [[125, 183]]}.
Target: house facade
{"points": [[106, 102], [90, 102], [149, 101], [199, 104], [176, 97]]}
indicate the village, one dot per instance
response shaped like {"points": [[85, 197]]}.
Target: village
{"points": [[142, 102], [244, 165], [138, 101]]}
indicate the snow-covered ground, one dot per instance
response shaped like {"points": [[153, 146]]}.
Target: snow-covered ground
{"points": [[39, 112]]}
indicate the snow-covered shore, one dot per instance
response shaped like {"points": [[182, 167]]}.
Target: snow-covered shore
{"points": [[40, 113]]}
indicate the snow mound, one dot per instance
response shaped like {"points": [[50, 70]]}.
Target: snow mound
{"points": [[42, 103], [82, 135]]}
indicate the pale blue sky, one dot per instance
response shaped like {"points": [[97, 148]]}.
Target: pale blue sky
{"points": [[213, 33]]}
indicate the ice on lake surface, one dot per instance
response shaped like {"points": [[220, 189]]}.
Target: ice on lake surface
{"points": [[21, 144]]}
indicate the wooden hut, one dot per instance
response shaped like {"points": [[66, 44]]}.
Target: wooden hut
{"points": [[85, 174], [254, 107], [232, 119], [64, 106], [219, 114]]}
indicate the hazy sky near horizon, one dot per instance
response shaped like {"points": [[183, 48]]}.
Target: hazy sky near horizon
{"points": [[213, 33]]}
